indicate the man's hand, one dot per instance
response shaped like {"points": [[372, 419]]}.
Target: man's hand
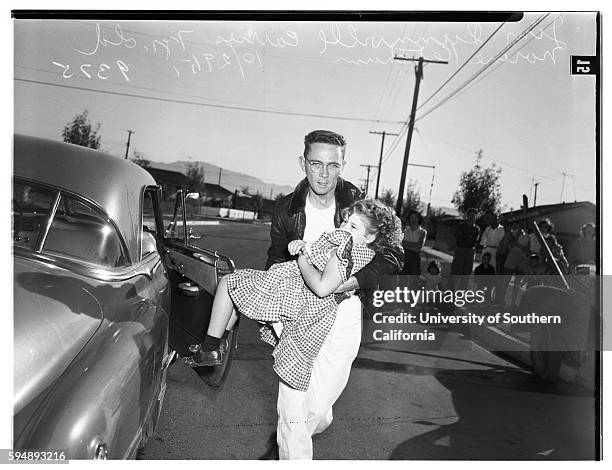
{"points": [[296, 246], [349, 284]]}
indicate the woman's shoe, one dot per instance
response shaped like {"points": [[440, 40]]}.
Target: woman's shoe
{"points": [[205, 358]]}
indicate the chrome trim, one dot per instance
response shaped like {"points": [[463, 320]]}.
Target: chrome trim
{"points": [[101, 451], [94, 271], [153, 189], [42, 237], [168, 359], [206, 258]]}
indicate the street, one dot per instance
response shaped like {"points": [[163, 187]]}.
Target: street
{"points": [[458, 401]]}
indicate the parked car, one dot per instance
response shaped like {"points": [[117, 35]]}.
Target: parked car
{"points": [[104, 297], [575, 343]]}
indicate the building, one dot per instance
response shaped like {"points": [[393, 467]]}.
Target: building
{"points": [[171, 179], [567, 218]]}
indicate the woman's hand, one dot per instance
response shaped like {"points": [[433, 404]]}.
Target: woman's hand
{"points": [[296, 246]]}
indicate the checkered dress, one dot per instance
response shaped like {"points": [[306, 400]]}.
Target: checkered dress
{"points": [[280, 294]]}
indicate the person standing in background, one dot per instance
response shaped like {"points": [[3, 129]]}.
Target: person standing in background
{"points": [[583, 249], [466, 238], [501, 277], [484, 275], [491, 236], [413, 243]]}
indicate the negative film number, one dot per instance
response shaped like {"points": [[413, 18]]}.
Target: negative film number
{"points": [[583, 66]]}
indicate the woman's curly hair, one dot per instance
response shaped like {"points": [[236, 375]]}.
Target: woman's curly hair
{"points": [[381, 220]]}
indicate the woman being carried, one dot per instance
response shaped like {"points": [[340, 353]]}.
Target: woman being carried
{"points": [[300, 293]]}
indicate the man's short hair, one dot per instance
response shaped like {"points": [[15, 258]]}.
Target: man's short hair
{"points": [[471, 210], [323, 137]]}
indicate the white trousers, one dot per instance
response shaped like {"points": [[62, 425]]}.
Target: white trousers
{"points": [[302, 414]]}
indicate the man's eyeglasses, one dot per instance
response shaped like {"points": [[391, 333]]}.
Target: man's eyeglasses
{"points": [[317, 166]]}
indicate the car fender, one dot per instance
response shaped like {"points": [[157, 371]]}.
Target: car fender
{"points": [[106, 395]]}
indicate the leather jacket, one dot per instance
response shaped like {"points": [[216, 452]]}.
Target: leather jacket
{"points": [[289, 222]]}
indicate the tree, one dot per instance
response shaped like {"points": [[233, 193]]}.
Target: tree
{"points": [[412, 201], [387, 197], [479, 188], [195, 177], [257, 202], [141, 160], [79, 131]]}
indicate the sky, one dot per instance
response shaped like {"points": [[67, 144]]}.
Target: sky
{"points": [[243, 95]]}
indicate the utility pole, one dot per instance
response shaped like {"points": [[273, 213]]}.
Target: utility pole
{"points": [[535, 194], [219, 183], [433, 175], [382, 147], [367, 184], [562, 186], [127, 147], [418, 70]]}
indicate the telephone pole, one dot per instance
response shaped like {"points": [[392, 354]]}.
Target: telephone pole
{"points": [[562, 186], [367, 181], [127, 147], [418, 70], [433, 176], [219, 183], [535, 194], [382, 147]]}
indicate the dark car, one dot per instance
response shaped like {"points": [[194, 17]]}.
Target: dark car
{"points": [[104, 297]]}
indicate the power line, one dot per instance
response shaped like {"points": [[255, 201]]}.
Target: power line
{"points": [[486, 66], [397, 140], [379, 166], [209, 105], [503, 162], [502, 63], [389, 153], [383, 97], [467, 61]]}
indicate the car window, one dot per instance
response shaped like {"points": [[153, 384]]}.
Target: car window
{"points": [[31, 206], [173, 222], [148, 224], [81, 231], [148, 212]]}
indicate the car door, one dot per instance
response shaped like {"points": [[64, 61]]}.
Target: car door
{"points": [[193, 273]]}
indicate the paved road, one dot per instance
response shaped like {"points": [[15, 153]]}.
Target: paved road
{"points": [[402, 402]]}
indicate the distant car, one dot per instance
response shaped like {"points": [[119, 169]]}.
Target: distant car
{"points": [[104, 297]]}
